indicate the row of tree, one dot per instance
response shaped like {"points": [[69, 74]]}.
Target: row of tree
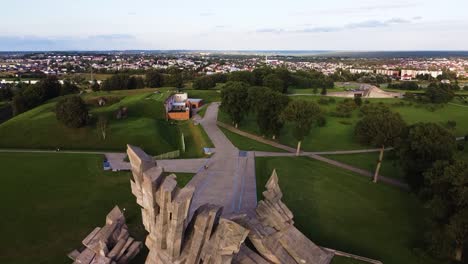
{"points": [[278, 79], [271, 108], [33, 95]]}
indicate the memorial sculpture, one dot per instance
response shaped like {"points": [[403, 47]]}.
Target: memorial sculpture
{"points": [[110, 244], [206, 237]]}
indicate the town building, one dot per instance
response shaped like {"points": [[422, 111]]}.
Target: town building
{"points": [[179, 106]]}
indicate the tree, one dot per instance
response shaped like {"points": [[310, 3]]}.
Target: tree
{"points": [[68, 88], [95, 86], [380, 127], [273, 82], [324, 91], [102, 125], [421, 146], [72, 112], [234, 101], [47, 88], [6, 93], [153, 79], [302, 114], [446, 186], [439, 93], [285, 76], [358, 101], [268, 110], [242, 76], [345, 108]]}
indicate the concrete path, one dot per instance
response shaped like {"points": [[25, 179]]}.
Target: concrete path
{"points": [[229, 179], [182, 165]]}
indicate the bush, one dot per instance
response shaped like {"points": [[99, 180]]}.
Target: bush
{"points": [[321, 121], [345, 108], [323, 101], [451, 124], [72, 112], [358, 101]]}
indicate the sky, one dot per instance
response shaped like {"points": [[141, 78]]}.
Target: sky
{"points": [[352, 25]]}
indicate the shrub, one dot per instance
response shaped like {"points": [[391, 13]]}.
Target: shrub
{"points": [[451, 124], [323, 101], [72, 112], [321, 121]]}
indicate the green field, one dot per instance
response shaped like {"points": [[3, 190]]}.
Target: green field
{"points": [[248, 144], [195, 139], [368, 161], [145, 126], [338, 134], [341, 210], [202, 111], [50, 202]]}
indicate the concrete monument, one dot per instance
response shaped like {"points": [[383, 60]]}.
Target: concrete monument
{"points": [[110, 244]]}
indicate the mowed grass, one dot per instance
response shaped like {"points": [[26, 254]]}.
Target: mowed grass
{"points": [[338, 133], [368, 161], [146, 126], [195, 139], [51, 202], [248, 144], [341, 210]]}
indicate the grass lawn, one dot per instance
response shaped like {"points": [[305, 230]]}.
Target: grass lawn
{"points": [[195, 139], [202, 111], [338, 133], [50, 202], [145, 126], [208, 96], [368, 161], [248, 144], [341, 210]]}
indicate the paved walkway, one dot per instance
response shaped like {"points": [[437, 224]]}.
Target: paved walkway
{"points": [[229, 179]]}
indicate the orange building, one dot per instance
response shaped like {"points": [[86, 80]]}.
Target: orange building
{"points": [[179, 106]]}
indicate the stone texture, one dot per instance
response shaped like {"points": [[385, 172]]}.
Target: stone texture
{"points": [[274, 235], [110, 244], [207, 237]]}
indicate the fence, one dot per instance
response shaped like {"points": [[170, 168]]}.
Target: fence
{"points": [[168, 155]]}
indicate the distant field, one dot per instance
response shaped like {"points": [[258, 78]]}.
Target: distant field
{"points": [[341, 210], [338, 133], [146, 126]]}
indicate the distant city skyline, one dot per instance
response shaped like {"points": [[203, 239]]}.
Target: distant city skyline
{"points": [[235, 25]]}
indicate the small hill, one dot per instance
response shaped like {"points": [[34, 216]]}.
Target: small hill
{"points": [[145, 126]]}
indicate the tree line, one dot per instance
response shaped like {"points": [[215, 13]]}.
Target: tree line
{"points": [[279, 79], [30, 96], [271, 108]]}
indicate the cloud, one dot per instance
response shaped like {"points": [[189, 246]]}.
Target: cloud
{"points": [[207, 14], [33, 43], [111, 37], [417, 18], [360, 9], [350, 26]]}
